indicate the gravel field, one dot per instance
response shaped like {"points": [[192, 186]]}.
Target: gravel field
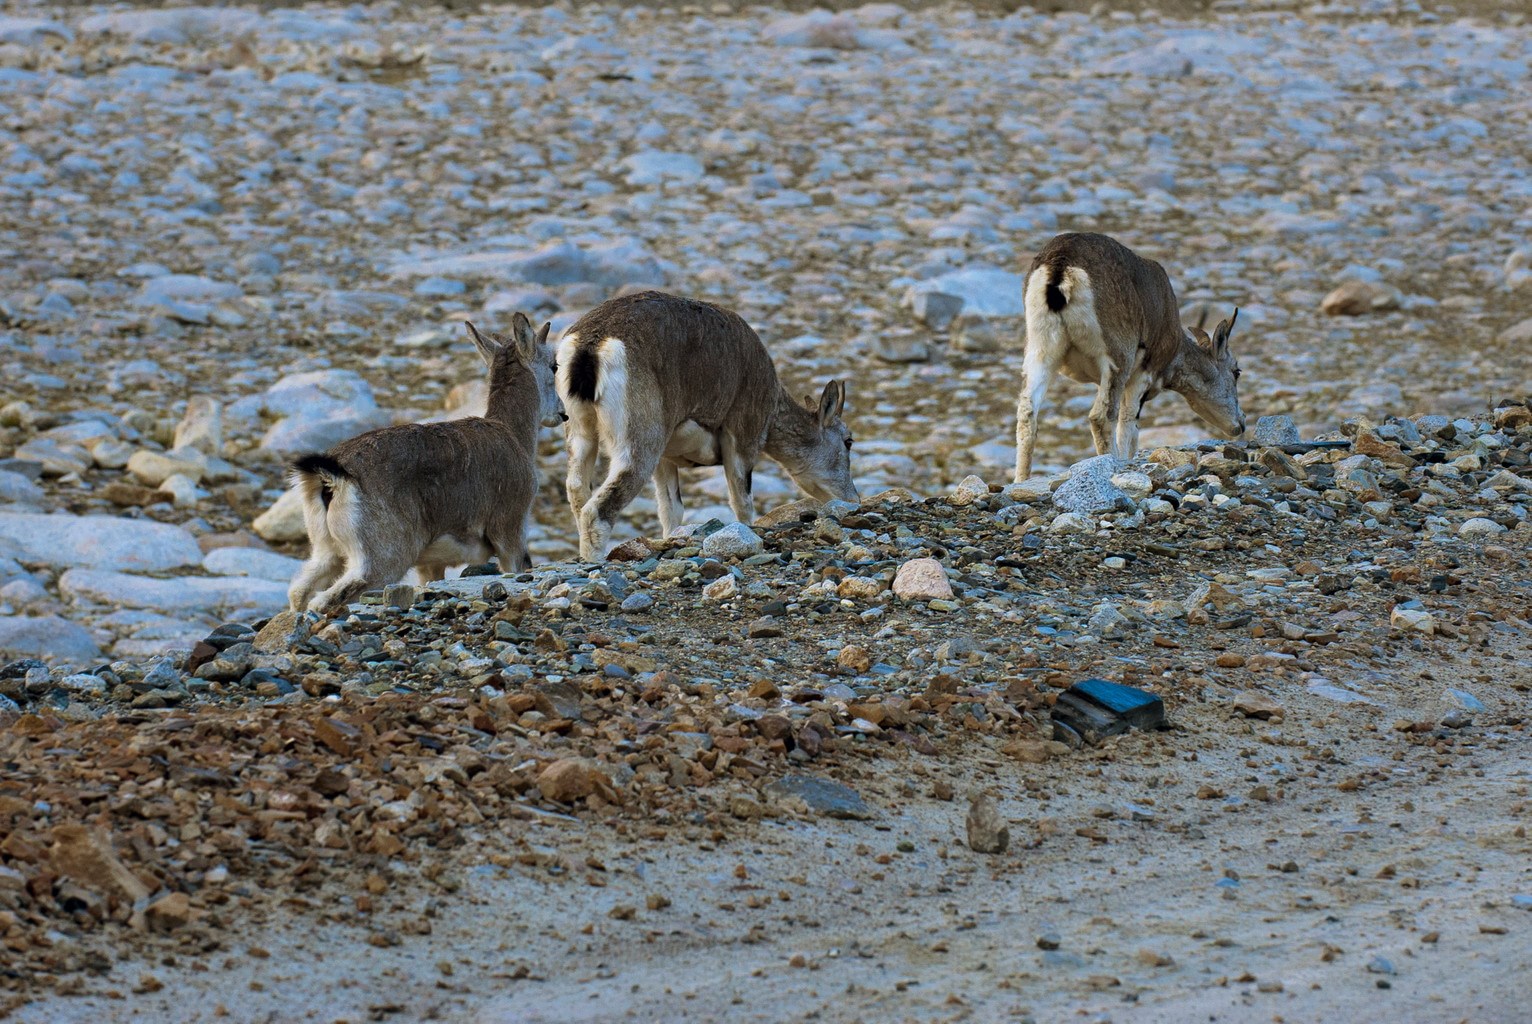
{"points": [[236, 234]]}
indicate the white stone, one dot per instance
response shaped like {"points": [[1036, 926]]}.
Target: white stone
{"points": [[654, 167], [16, 488], [99, 542], [152, 468], [969, 490], [1072, 522], [1412, 619], [612, 263], [816, 29], [283, 521], [202, 426], [265, 565], [317, 392], [735, 540], [724, 588], [922, 579], [1133, 483], [221, 594], [985, 290], [176, 25], [183, 490], [32, 31], [299, 435], [1480, 529]]}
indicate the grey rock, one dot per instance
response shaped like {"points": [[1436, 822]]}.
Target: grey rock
{"points": [[1465, 700], [1107, 621], [399, 595], [285, 631], [1089, 489], [48, 637], [265, 565], [987, 830], [902, 348], [192, 593], [979, 334], [1480, 529], [18, 489], [162, 675], [56, 458], [823, 796], [98, 542], [299, 434], [936, 310], [985, 290], [1273, 431], [84, 684], [736, 540], [639, 602]]}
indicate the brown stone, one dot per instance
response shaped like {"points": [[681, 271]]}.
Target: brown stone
{"points": [[120, 492], [874, 713], [86, 855], [987, 830], [330, 783], [567, 780], [169, 912], [1356, 298], [774, 727], [764, 689], [1034, 751], [201, 653], [1253, 704], [635, 550], [1370, 444], [339, 736], [854, 658]]}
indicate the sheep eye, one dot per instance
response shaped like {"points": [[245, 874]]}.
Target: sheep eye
{"points": [[1237, 372], [848, 444]]}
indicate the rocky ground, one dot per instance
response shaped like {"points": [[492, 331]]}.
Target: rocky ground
{"points": [[235, 234], [727, 777], [1336, 633]]}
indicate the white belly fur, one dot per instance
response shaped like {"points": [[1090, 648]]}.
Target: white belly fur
{"points": [[693, 444], [449, 550]]}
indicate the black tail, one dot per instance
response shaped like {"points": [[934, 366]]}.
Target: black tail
{"points": [[582, 375], [1055, 296], [323, 467]]}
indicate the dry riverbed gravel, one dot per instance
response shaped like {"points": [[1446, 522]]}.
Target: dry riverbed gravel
{"points": [[648, 751], [714, 782]]}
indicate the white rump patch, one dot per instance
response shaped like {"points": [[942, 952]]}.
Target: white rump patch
{"points": [[612, 395], [1072, 337], [565, 358]]}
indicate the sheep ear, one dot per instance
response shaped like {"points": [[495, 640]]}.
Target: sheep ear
{"points": [[526, 338], [542, 335], [1222, 331], [831, 402], [488, 348]]}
